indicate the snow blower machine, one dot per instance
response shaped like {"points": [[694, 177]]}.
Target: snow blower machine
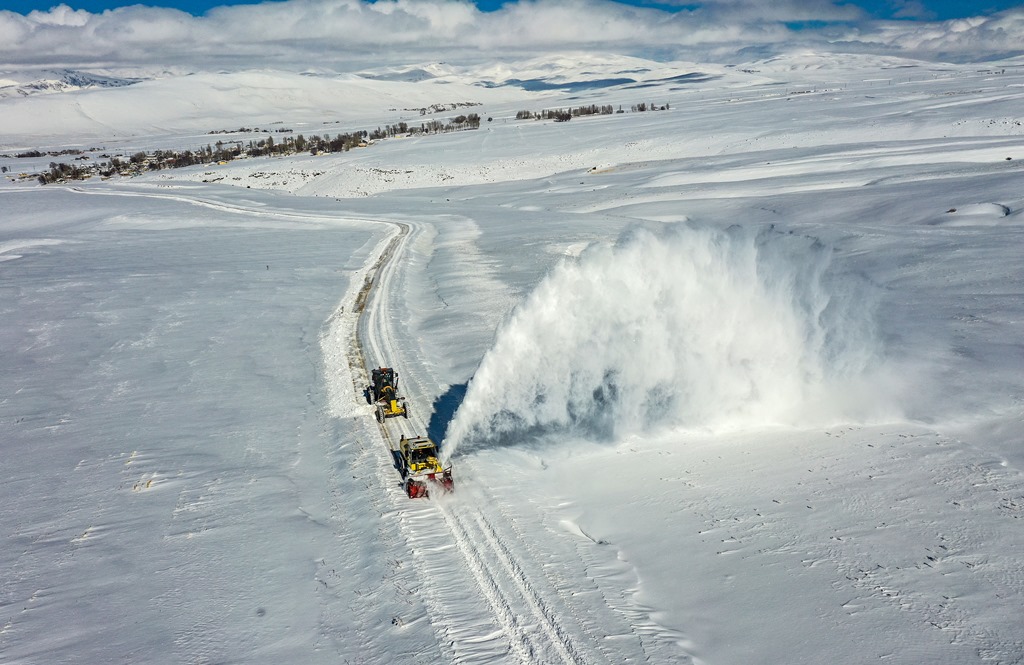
{"points": [[384, 393], [417, 460]]}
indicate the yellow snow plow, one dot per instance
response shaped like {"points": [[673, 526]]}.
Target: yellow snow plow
{"points": [[419, 464]]}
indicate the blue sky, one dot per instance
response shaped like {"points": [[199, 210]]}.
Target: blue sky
{"points": [[883, 9]]}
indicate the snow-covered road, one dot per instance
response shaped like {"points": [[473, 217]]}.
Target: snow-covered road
{"points": [[488, 595]]}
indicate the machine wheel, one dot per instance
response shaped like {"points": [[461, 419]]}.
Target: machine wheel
{"points": [[380, 414], [366, 394], [405, 410]]}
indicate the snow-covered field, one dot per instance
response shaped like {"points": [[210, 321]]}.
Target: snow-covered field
{"points": [[738, 381]]}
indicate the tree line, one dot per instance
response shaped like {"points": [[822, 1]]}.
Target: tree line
{"points": [[562, 115], [289, 143], [226, 151]]}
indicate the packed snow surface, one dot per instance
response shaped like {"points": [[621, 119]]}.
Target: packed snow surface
{"points": [[734, 381]]}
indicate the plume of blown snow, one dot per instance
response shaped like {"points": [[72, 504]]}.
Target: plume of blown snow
{"points": [[680, 327]]}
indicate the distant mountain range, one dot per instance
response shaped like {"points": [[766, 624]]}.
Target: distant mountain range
{"points": [[568, 72], [48, 82], [104, 104]]}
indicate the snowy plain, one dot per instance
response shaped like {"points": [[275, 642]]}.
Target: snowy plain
{"points": [[738, 381]]}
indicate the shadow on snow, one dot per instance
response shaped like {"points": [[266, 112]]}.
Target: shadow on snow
{"points": [[444, 408]]}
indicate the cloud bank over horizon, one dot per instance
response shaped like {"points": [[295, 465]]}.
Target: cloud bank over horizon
{"points": [[345, 35]]}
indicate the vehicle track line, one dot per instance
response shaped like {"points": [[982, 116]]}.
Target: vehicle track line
{"points": [[378, 337], [479, 532], [547, 618], [501, 581], [519, 639]]}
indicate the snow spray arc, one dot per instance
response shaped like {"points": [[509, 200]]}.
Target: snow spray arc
{"points": [[680, 326]]}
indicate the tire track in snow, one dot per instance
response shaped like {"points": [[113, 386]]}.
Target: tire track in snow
{"points": [[564, 580], [520, 641], [461, 632], [251, 210], [377, 338], [524, 612], [464, 630], [546, 618]]}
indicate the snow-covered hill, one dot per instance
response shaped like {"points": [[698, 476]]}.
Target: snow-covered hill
{"points": [[196, 103], [56, 81], [203, 102], [572, 71]]}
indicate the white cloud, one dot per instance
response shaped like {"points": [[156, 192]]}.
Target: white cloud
{"points": [[351, 34], [779, 10], [964, 39], [911, 9], [61, 15]]}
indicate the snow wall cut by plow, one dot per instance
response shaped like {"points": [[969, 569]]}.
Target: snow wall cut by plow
{"points": [[682, 327]]}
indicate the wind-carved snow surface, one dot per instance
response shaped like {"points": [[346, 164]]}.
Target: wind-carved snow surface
{"points": [[682, 327]]}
